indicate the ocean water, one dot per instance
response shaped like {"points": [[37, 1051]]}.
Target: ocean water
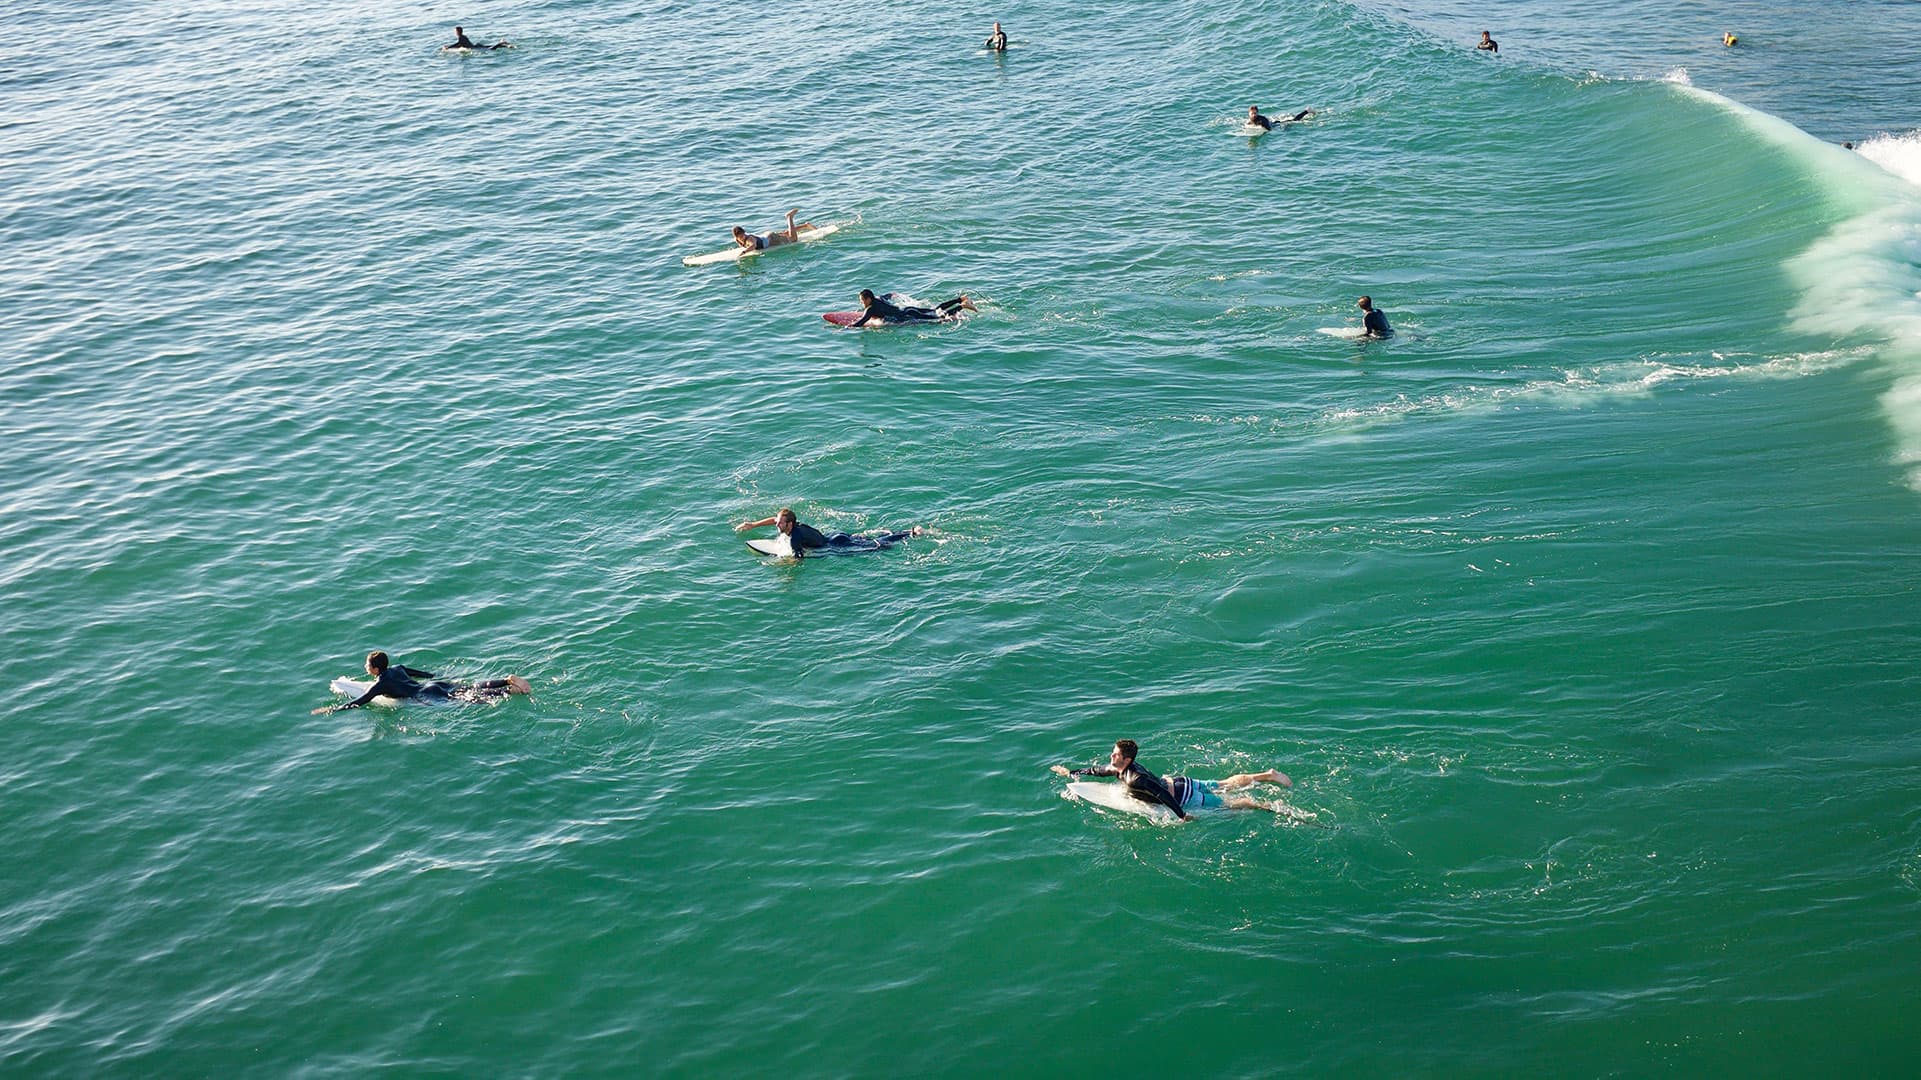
{"points": [[1582, 612]]}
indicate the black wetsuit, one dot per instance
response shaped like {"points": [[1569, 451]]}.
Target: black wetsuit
{"points": [[1266, 124], [883, 311], [1375, 324], [1143, 785], [401, 682], [806, 538], [997, 42], [462, 41], [1489, 45]]}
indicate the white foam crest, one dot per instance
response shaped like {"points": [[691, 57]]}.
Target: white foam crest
{"points": [[1863, 279], [1679, 77], [1899, 154]]}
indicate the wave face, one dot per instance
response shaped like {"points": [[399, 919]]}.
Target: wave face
{"points": [[1576, 611]]}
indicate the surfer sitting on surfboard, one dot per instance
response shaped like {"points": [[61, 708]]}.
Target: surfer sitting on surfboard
{"points": [[875, 309], [1488, 44], [1179, 793], [462, 41], [1255, 119], [997, 41], [1373, 323], [398, 681], [762, 241], [802, 538]]}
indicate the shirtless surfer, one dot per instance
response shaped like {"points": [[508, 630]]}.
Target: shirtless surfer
{"points": [[401, 682], [802, 538], [1179, 793], [762, 241], [880, 311]]}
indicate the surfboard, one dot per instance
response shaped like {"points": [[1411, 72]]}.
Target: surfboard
{"points": [[770, 546], [1115, 797], [1352, 333], [1253, 131], [353, 688], [736, 253]]}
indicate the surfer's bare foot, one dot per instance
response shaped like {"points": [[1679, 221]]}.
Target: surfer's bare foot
{"points": [[1274, 776], [966, 304], [915, 531], [518, 685]]}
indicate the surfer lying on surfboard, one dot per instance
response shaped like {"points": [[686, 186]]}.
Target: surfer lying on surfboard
{"points": [[802, 538], [1179, 793], [462, 41], [400, 682], [762, 241], [1255, 119], [879, 310]]}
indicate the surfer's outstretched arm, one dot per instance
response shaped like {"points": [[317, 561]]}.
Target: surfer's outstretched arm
{"points": [[372, 693], [761, 524]]}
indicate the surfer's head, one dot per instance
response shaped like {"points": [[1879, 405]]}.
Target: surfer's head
{"points": [[1365, 303], [376, 663], [740, 233], [784, 521], [1125, 750], [867, 298], [1253, 110]]}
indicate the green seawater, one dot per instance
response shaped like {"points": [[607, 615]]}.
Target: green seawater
{"points": [[1582, 612]]}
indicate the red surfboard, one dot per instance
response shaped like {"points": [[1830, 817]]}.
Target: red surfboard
{"points": [[842, 318]]}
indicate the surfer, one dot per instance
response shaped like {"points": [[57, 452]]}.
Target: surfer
{"points": [[1488, 44], [997, 41], [1373, 323], [802, 538], [1255, 119], [875, 309], [462, 41], [762, 241], [1179, 793], [401, 682], [1730, 40]]}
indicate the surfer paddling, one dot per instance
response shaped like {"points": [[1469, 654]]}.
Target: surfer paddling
{"points": [[462, 41], [1373, 323], [400, 682], [881, 311], [1255, 119], [1180, 794], [762, 241], [997, 41], [801, 538]]}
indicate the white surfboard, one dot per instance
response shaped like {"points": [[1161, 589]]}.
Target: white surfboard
{"points": [[736, 253], [353, 688], [779, 547], [1353, 333], [1115, 797]]}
